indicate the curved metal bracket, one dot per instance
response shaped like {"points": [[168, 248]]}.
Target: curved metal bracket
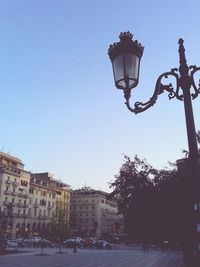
{"points": [[159, 89], [194, 69]]}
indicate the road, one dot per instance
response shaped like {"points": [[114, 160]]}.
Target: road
{"points": [[93, 258]]}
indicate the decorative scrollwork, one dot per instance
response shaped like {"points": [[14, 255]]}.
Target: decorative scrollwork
{"points": [[194, 69], [159, 89]]}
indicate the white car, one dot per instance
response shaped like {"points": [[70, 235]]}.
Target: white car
{"points": [[12, 243], [34, 239]]}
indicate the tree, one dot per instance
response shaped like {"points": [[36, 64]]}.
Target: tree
{"points": [[133, 182], [59, 224], [153, 202]]}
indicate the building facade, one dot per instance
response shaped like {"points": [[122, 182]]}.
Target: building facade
{"points": [[48, 195], [28, 201], [14, 193], [92, 214]]}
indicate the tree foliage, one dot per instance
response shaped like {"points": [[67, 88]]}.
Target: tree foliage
{"points": [[59, 223], [153, 202]]}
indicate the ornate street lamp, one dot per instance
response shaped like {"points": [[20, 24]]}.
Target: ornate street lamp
{"points": [[125, 57]]}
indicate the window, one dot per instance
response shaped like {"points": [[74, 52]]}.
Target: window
{"points": [[24, 183], [35, 212], [31, 190]]}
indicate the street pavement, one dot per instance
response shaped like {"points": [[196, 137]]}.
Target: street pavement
{"points": [[93, 258]]}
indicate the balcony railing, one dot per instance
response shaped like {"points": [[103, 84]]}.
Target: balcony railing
{"points": [[15, 183], [10, 169], [22, 205], [21, 215], [8, 192], [9, 181], [6, 202], [43, 217]]}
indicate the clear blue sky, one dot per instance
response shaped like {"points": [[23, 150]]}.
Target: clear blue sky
{"points": [[60, 111]]}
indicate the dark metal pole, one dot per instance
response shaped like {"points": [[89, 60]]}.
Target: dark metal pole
{"points": [[185, 84], [191, 185]]}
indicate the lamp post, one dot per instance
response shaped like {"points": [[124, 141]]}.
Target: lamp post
{"points": [[125, 57]]}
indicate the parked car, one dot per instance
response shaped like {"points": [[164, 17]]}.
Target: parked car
{"points": [[102, 244], [12, 243], [113, 240], [44, 243], [88, 242], [33, 239], [71, 242]]}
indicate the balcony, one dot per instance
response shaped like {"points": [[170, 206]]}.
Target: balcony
{"points": [[6, 202], [43, 217], [22, 205], [50, 207], [25, 195], [14, 193], [8, 192], [15, 183], [21, 215], [8, 181], [36, 205], [10, 169]]}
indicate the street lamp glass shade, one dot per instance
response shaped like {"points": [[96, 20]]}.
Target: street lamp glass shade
{"points": [[125, 57], [126, 70]]}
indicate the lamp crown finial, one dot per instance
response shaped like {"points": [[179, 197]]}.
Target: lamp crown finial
{"points": [[125, 35], [180, 41]]}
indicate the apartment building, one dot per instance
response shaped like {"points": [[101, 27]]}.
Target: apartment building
{"points": [[28, 201], [14, 192], [92, 214], [47, 196]]}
